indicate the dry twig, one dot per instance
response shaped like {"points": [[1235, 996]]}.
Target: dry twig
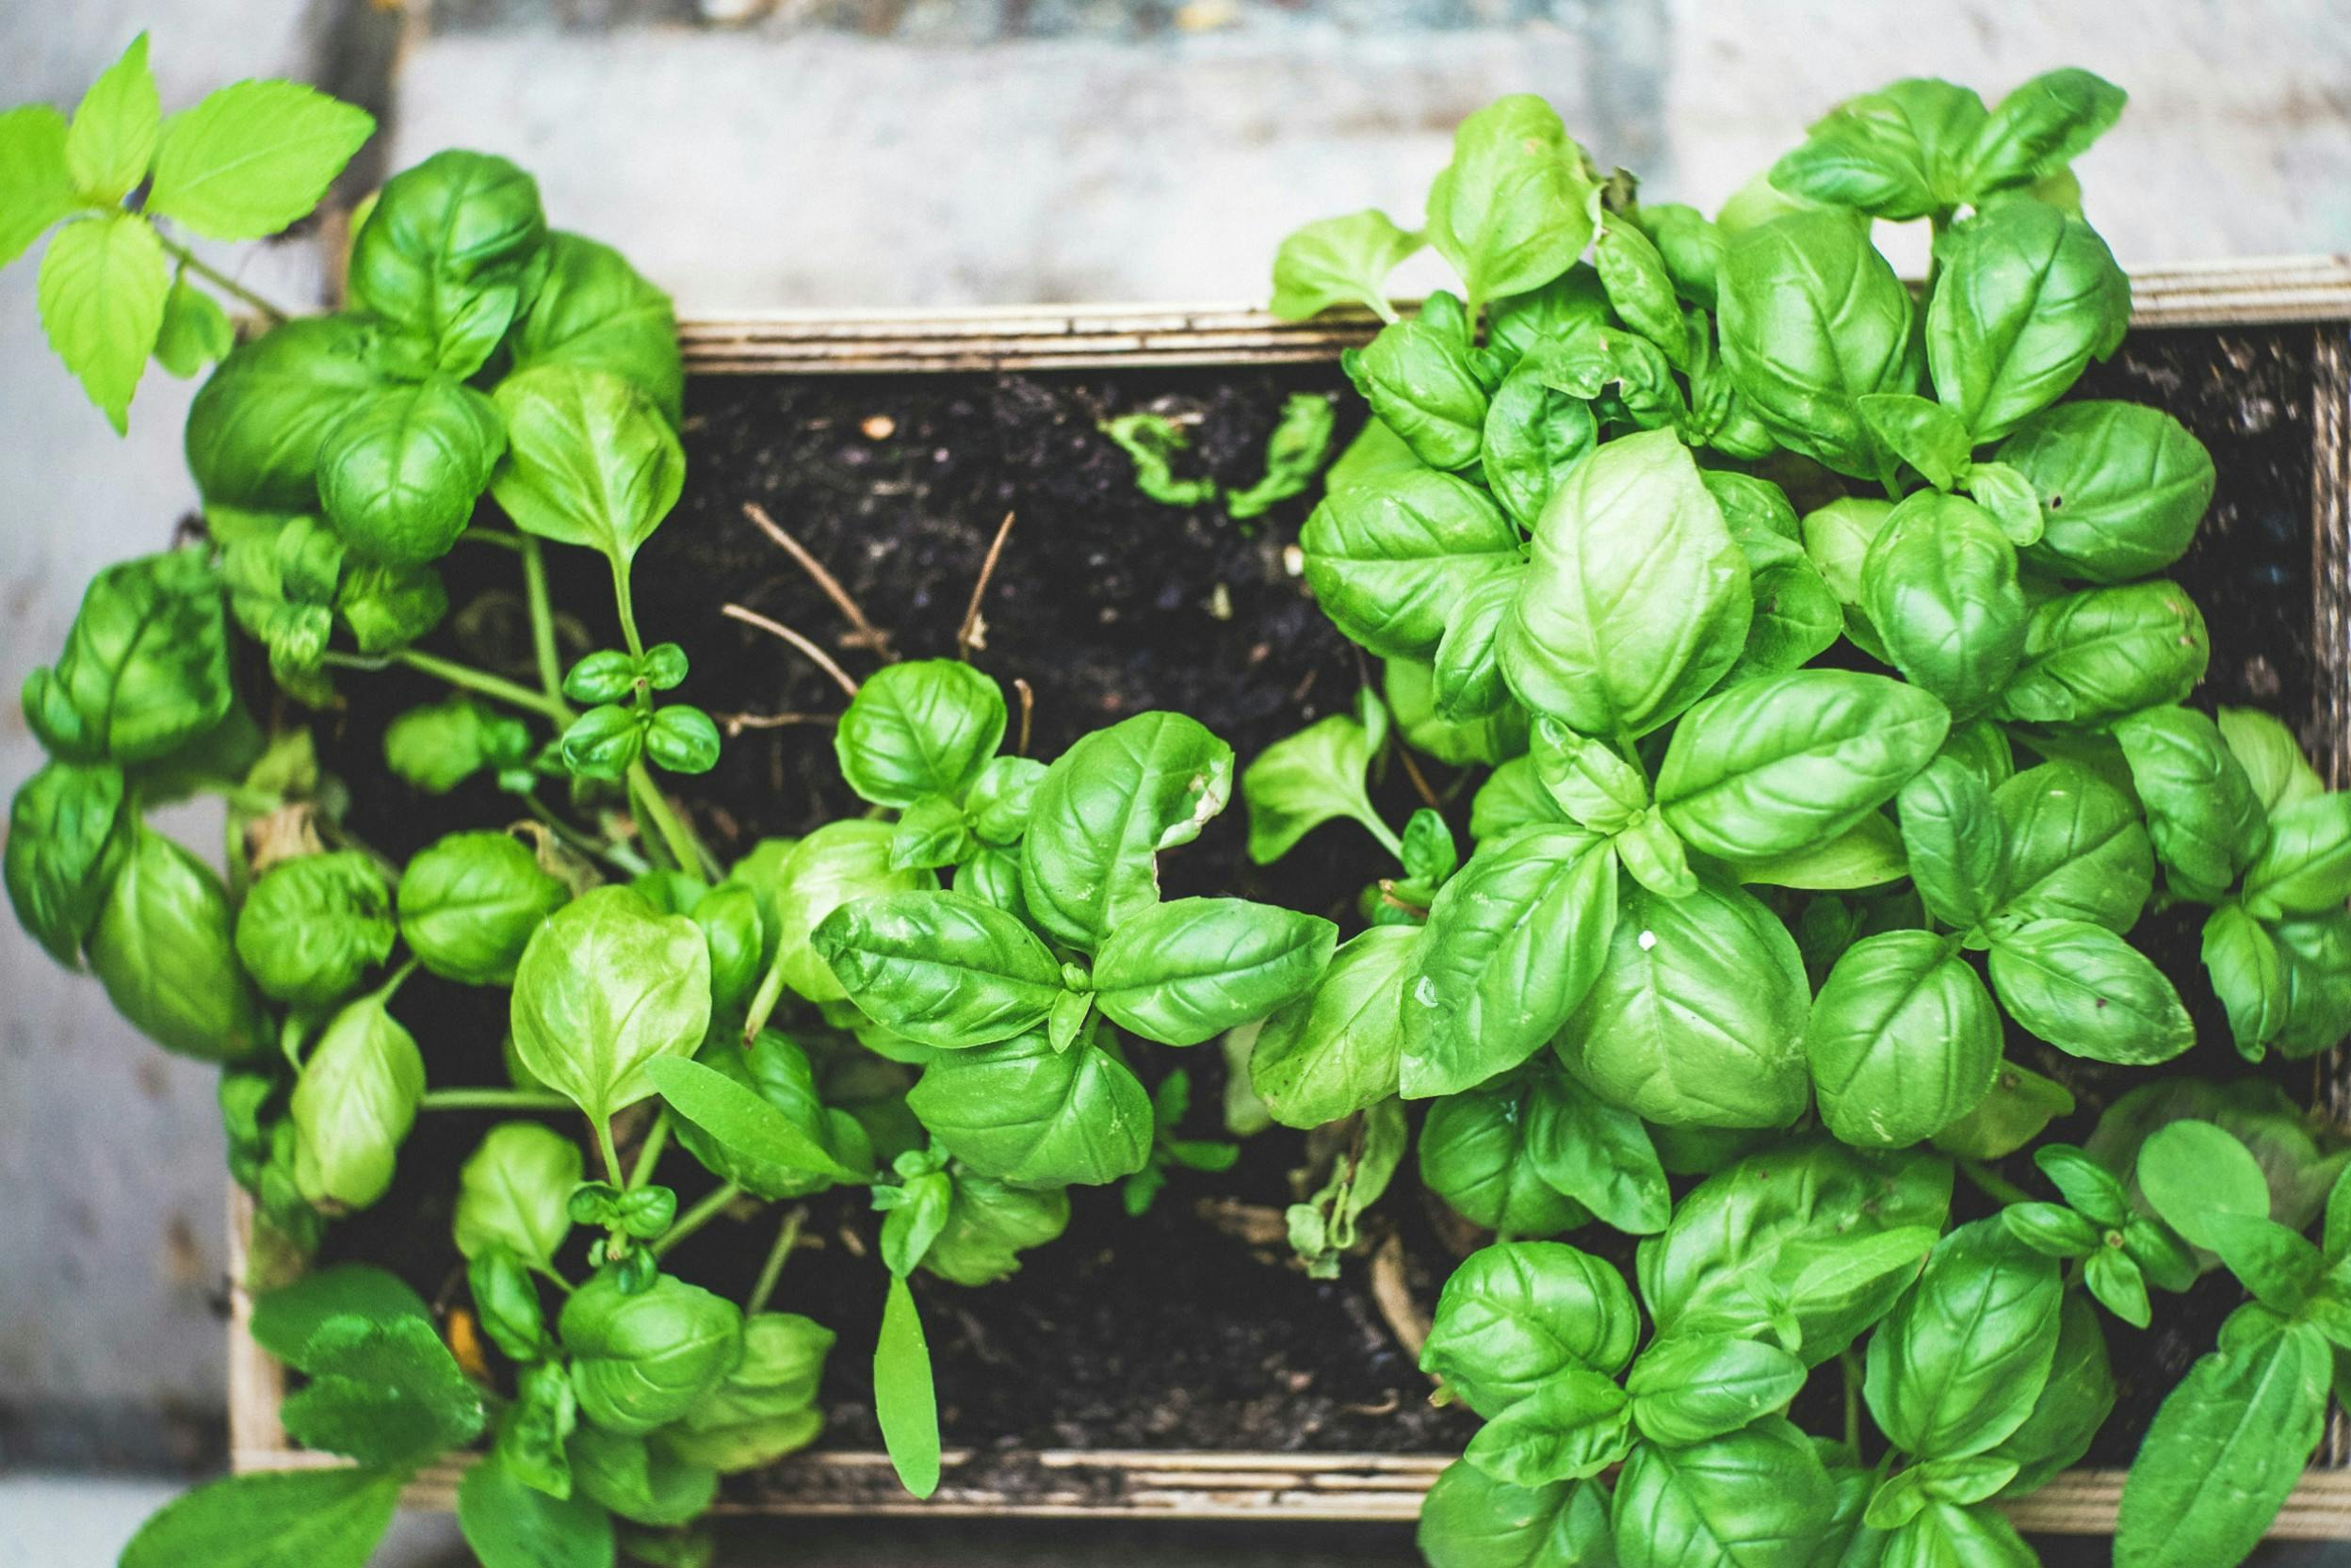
{"points": [[866, 634], [736, 723], [969, 632], [776, 628], [1028, 711]]}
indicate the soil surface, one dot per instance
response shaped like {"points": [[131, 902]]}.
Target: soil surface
{"points": [[1188, 1328]]}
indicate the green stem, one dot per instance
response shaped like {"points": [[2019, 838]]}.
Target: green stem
{"points": [[625, 604], [546, 1271], [391, 987], [695, 1218], [763, 1001], [1850, 1366], [221, 280], [492, 1099], [483, 683], [649, 1152], [626, 862], [1992, 1184], [542, 617], [492, 536], [290, 1032], [772, 1271], [1379, 830], [611, 1156], [677, 837]]}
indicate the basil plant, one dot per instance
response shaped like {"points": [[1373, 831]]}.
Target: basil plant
{"points": [[1832, 725]]}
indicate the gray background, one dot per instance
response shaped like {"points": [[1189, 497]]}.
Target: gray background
{"points": [[863, 153]]}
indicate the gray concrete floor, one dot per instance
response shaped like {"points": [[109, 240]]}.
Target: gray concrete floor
{"points": [[839, 154]]}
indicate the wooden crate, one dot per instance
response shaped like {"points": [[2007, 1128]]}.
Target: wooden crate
{"points": [[1270, 1487]]}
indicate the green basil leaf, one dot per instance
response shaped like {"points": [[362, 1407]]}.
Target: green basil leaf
{"points": [[813, 1148], [2190, 1170], [641, 1360], [766, 1407], [1896, 154], [1105, 810], [2304, 868], [1516, 206], [2105, 651], [1586, 779], [1940, 584], [1639, 288], [1513, 796], [2024, 297], [647, 1482], [1825, 1235], [1694, 1388], [144, 670], [2316, 955], [163, 949], [2021, 1104], [37, 188], [1422, 380], [399, 474], [2051, 1230], [598, 312], [511, 1524], [353, 1104], [1181, 972], [1797, 616], [1470, 1520], [1690, 246], [1868, 855], [738, 1118], [1959, 1363], [1903, 1040], [1474, 1154], [253, 157], [313, 926], [2088, 1186], [1340, 260], [590, 460], [837, 863], [989, 1224], [1953, 838], [1513, 944], [2278, 1267], [1636, 599], [2121, 488], [2223, 1452], [1519, 1314], [2072, 1405], [1410, 687], [1813, 320], [195, 332], [921, 727], [387, 608], [1001, 797], [1022, 1112], [469, 904], [1467, 674], [2040, 128], [1597, 1155], [1758, 1497], [101, 292], [2010, 497], [2271, 757], [1521, 324], [2075, 850], [67, 836], [1335, 1050], [1387, 558], [1305, 779], [453, 251], [2205, 822], [2088, 993], [1780, 763], [513, 1191], [1575, 1424], [383, 1393], [945, 970], [255, 429], [1697, 1015], [1926, 435], [604, 986], [1838, 538], [330, 1518], [1535, 435]]}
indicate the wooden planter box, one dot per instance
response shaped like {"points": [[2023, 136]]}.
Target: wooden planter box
{"points": [[2315, 292]]}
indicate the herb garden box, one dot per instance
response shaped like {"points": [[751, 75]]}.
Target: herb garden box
{"points": [[783, 411]]}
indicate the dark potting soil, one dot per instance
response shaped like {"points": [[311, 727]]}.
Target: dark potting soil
{"points": [[1189, 1328]]}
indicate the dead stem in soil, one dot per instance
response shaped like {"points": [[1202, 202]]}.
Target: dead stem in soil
{"points": [[1027, 712], [823, 661], [973, 634], [866, 634], [736, 723]]}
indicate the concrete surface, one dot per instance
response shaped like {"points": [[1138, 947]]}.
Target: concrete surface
{"points": [[851, 152]]}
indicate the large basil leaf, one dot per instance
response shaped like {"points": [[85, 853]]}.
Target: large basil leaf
{"points": [[606, 984], [2122, 487], [837, 863], [313, 925], [589, 461], [1471, 1520], [144, 670], [921, 727], [1903, 1040], [1340, 260], [515, 1192], [2202, 815], [766, 1407], [1421, 378], [1897, 154], [353, 1104], [1334, 1050], [1695, 1387], [940, 968], [1813, 320], [1953, 842], [399, 474], [1636, 599], [1512, 944], [330, 1518], [1696, 1018], [2041, 127], [801, 1147], [1534, 435], [1516, 1314], [1386, 559], [1958, 1363], [255, 429], [1521, 324], [469, 904], [1940, 585], [1576, 1424], [2076, 849], [2024, 297], [163, 949], [1181, 972], [1758, 1497], [1474, 1154], [1105, 810], [2104, 652], [453, 251], [1597, 1155], [1812, 1238], [2087, 992], [641, 1359], [2304, 868], [1782, 763], [1022, 1112], [2073, 1404], [68, 834], [597, 310], [2223, 1452], [1516, 206]]}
